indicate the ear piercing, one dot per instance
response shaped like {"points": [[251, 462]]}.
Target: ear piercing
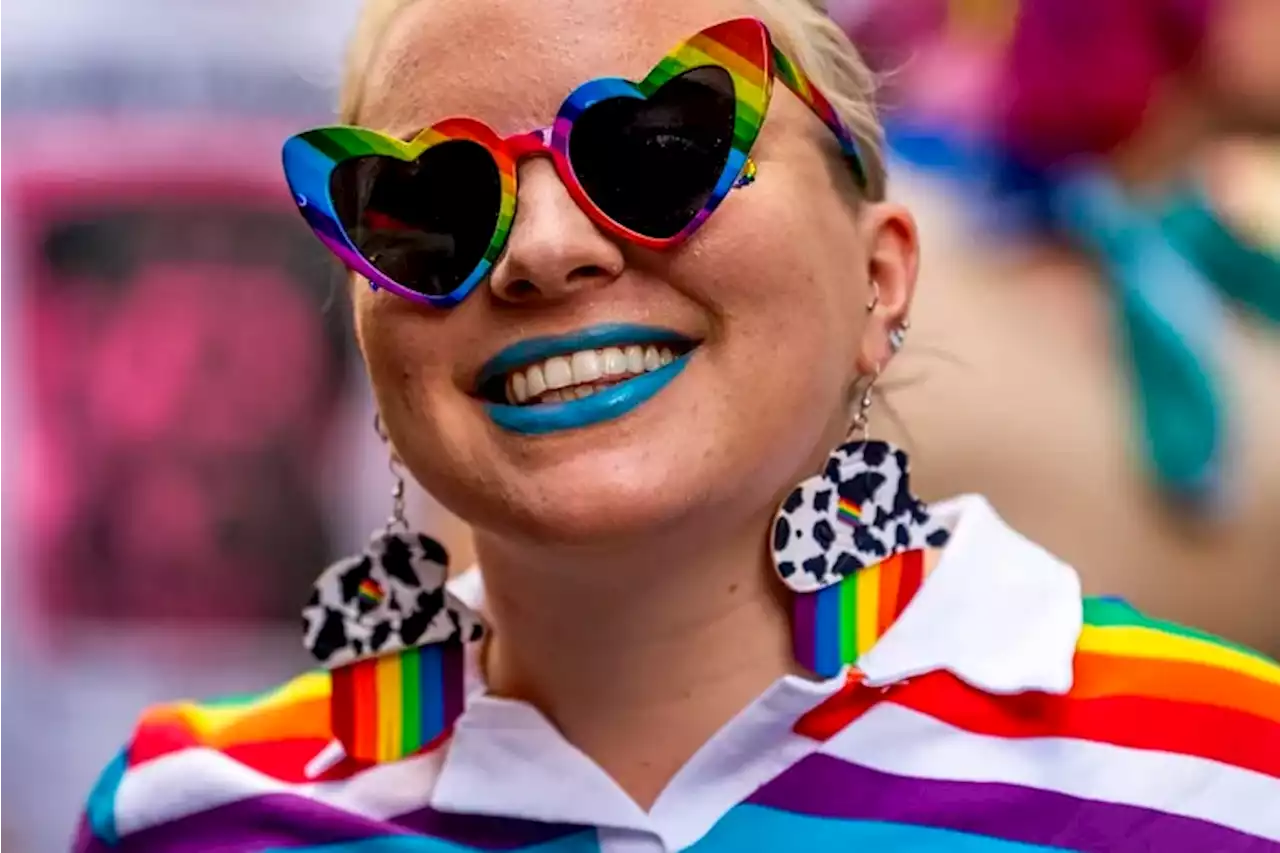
{"points": [[898, 336]]}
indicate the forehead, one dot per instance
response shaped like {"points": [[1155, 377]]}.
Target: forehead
{"points": [[511, 62]]}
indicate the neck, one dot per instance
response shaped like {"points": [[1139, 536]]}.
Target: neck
{"points": [[639, 657]]}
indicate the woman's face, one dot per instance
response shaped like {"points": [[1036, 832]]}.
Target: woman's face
{"points": [[773, 288]]}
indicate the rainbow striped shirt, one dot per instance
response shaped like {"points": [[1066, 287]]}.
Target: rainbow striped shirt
{"points": [[997, 713]]}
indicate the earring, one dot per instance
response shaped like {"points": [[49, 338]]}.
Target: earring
{"points": [[875, 296], [391, 635], [748, 175], [847, 538], [898, 336]]}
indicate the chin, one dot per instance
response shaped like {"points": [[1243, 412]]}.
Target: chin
{"points": [[602, 496]]}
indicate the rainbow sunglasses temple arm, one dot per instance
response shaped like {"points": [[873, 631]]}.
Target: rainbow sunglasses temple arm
{"points": [[795, 80]]}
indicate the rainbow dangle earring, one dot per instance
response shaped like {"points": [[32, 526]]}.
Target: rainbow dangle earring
{"points": [[392, 637], [850, 542]]}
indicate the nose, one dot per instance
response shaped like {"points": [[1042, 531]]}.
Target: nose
{"points": [[553, 250]]}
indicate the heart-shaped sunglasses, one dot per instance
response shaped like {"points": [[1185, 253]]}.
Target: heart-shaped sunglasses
{"points": [[647, 161]]}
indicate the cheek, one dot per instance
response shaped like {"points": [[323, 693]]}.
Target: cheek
{"points": [[402, 347], [782, 259], [777, 267]]}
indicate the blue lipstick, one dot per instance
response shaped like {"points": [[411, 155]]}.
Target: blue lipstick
{"points": [[607, 404]]}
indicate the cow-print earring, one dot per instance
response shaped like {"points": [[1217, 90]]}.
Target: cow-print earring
{"points": [[857, 514], [392, 636]]}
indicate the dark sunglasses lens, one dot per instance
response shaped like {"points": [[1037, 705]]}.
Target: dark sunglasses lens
{"points": [[424, 224], [651, 165]]}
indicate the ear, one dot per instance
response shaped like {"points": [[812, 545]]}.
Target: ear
{"points": [[893, 260]]}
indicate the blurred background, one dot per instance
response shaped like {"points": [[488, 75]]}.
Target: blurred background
{"points": [[187, 435]]}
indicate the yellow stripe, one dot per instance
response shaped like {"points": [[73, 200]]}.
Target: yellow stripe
{"points": [[430, 136], [868, 581], [747, 77], [1139, 642], [390, 707], [204, 719], [710, 49]]}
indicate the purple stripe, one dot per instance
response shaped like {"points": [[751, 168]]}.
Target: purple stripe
{"points": [[283, 820], [828, 787], [827, 660], [451, 665], [804, 629], [485, 833]]}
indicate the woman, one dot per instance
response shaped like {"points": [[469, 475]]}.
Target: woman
{"points": [[1073, 354], [706, 629]]}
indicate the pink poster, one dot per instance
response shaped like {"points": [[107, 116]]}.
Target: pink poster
{"points": [[183, 347]]}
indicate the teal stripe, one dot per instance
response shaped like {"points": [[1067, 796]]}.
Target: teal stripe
{"points": [[101, 808], [751, 827], [582, 842]]}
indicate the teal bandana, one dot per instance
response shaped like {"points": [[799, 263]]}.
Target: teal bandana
{"points": [[1173, 268]]}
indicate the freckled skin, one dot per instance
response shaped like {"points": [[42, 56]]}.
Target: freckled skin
{"points": [[775, 284]]}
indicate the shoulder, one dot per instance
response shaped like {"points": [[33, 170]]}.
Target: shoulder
{"points": [[1159, 685], [186, 758]]}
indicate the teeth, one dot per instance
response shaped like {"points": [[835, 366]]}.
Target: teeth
{"points": [[558, 372], [615, 362], [586, 367], [577, 376], [537, 381]]}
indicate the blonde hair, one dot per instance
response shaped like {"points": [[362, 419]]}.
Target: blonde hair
{"points": [[800, 27]]}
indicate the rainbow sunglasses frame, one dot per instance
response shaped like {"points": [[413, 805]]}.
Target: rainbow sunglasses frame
{"points": [[742, 47]]}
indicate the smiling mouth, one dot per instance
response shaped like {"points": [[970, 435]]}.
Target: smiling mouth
{"points": [[580, 374]]}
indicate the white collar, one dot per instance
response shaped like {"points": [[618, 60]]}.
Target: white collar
{"points": [[998, 611]]}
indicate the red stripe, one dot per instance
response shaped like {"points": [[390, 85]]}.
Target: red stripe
{"points": [[1222, 734], [912, 576], [285, 760], [829, 718], [819, 101], [746, 40], [385, 222], [160, 736], [365, 709], [344, 769], [341, 707]]}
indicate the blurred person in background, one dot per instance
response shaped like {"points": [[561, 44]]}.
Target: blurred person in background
{"points": [[168, 469], [1098, 349], [709, 612]]}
